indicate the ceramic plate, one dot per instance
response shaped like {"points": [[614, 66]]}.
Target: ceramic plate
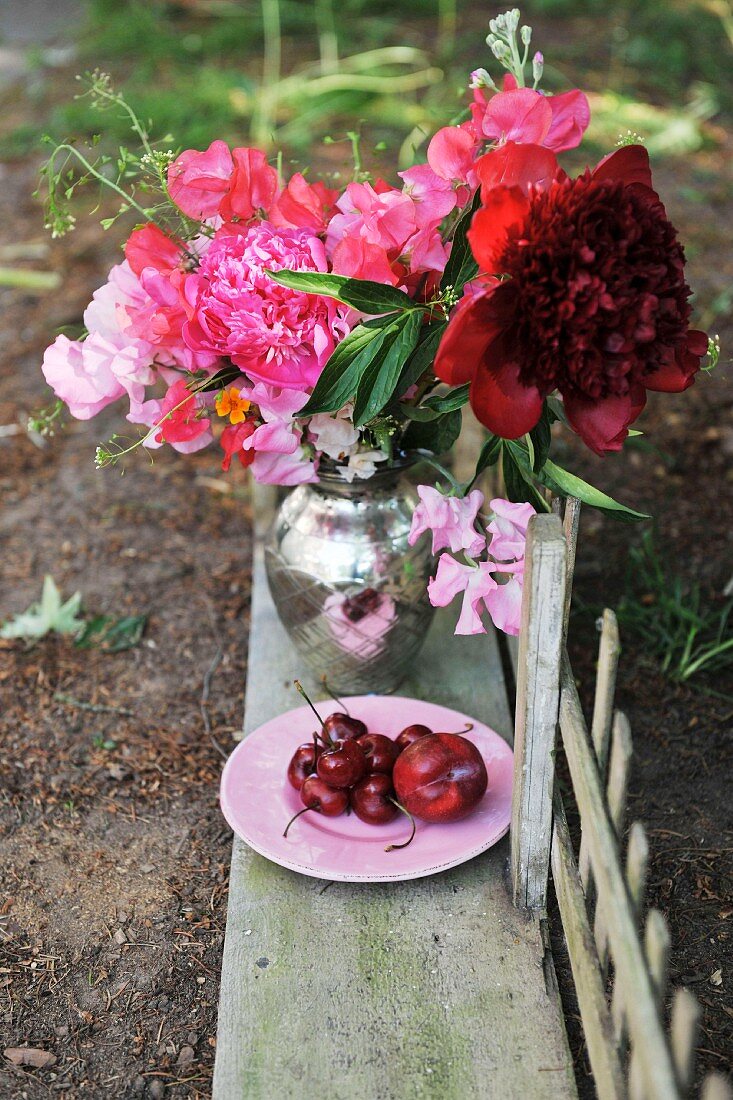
{"points": [[258, 801]]}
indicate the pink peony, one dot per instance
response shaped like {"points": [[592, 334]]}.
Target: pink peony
{"points": [[273, 334], [451, 519]]}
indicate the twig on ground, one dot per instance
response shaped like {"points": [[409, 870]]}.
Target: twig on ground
{"points": [[204, 701], [95, 708]]}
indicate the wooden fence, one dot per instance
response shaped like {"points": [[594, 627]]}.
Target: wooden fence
{"points": [[619, 970]]}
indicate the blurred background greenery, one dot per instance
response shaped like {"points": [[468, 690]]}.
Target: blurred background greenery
{"points": [[295, 75]]}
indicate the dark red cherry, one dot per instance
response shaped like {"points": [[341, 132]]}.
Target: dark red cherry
{"points": [[371, 799], [355, 608], [381, 752], [343, 765], [342, 727], [321, 797], [302, 764], [410, 734]]}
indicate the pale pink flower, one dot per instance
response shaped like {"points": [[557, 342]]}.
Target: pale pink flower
{"points": [[474, 581], [86, 391], [273, 334], [508, 529], [385, 218], [280, 433], [504, 604], [334, 434], [451, 519], [433, 195], [362, 464], [280, 469]]}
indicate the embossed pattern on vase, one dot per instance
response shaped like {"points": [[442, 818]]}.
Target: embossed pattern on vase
{"points": [[347, 586]]}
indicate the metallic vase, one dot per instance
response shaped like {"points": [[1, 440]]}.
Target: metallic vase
{"points": [[347, 586]]}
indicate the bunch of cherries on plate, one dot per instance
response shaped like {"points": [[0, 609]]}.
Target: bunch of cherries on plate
{"points": [[438, 777]]}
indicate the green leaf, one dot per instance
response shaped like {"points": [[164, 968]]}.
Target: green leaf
{"points": [[437, 437], [437, 405], [380, 378], [340, 376], [518, 477], [423, 356], [566, 484], [461, 266], [222, 378], [541, 437], [361, 294], [114, 635], [48, 615]]}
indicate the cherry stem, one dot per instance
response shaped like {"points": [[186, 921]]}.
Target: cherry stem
{"points": [[295, 816], [467, 729], [395, 847], [341, 703], [301, 690]]}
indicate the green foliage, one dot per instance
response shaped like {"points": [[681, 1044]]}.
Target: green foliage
{"points": [[361, 294], [49, 615], [114, 635], [693, 641]]}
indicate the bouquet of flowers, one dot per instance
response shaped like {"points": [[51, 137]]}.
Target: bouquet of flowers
{"points": [[296, 324]]}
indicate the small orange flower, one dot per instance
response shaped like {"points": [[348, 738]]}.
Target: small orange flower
{"points": [[229, 403]]}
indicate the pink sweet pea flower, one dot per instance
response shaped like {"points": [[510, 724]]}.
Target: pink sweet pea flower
{"points": [[355, 257], [451, 519], [303, 205], [197, 182], [385, 218], [232, 443], [432, 194], [508, 529], [252, 186], [278, 469], [150, 247], [529, 117], [84, 390], [504, 603], [179, 422], [475, 581], [452, 152]]}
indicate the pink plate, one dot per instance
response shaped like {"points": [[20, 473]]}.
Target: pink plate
{"points": [[258, 801]]}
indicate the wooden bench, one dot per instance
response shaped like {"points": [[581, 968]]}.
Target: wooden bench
{"points": [[445, 987]]}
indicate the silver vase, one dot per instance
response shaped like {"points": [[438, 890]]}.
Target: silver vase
{"points": [[347, 586]]}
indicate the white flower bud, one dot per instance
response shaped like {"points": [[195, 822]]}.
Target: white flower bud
{"points": [[526, 35]]}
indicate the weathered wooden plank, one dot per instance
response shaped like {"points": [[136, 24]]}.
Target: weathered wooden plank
{"points": [[637, 865], [540, 643], [656, 949], [589, 986], [656, 1068], [570, 526], [431, 988]]}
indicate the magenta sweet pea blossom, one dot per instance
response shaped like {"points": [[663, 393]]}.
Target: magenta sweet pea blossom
{"points": [[452, 520]]}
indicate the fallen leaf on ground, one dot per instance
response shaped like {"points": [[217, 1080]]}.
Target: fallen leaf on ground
{"points": [[30, 1056]]}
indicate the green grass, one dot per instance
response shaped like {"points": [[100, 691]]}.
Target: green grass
{"points": [[693, 641], [273, 72]]}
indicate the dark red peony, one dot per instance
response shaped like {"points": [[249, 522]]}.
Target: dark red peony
{"points": [[582, 291]]}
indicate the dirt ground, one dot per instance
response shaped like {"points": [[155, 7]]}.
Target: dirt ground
{"points": [[113, 853]]}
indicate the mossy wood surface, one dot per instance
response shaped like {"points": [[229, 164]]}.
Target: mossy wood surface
{"points": [[431, 988]]}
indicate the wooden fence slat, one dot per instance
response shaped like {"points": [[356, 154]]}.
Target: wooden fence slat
{"points": [[609, 650], [683, 1033], [716, 1087], [570, 525], [618, 781], [589, 985], [637, 865], [656, 948], [656, 1067], [540, 644]]}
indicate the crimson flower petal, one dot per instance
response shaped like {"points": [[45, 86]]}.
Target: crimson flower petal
{"points": [[500, 401], [504, 208], [603, 424], [679, 374], [514, 165], [471, 329], [630, 164]]}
